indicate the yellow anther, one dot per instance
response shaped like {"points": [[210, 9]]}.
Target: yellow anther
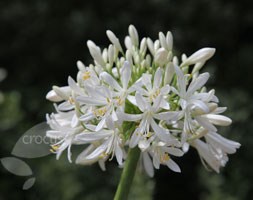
{"points": [[71, 100], [154, 94], [108, 100], [149, 134], [86, 75], [103, 155], [54, 148], [119, 101], [165, 157], [100, 112]]}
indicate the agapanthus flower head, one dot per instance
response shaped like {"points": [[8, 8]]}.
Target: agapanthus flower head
{"points": [[140, 96]]}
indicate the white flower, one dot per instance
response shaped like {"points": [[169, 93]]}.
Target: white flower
{"points": [[153, 90], [100, 99], [215, 151], [96, 53], [200, 56], [110, 144], [147, 120], [123, 90], [63, 131], [160, 153], [139, 96]]}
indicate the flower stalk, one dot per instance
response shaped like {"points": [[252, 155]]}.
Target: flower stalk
{"points": [[127, 175]]}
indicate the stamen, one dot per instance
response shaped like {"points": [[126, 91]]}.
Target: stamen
{"points": [[54, 148], [165, 157], [100, 112], [71, 100], [86, 75]]}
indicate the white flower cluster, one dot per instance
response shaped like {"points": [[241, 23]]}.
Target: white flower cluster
{"points": [[142, 97]]}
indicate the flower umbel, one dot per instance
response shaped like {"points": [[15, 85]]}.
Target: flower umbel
{"points": [[141, 97]]}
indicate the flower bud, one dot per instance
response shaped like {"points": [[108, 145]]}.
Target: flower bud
{"points": [[114, 40], [59, 94], [169, 40], [80, 65], [219, 120], [143, 46], [162, 40], [169, 73], [199, 56], [197, 67], [111, 54], [128, 43], [95, 53], [133, 35], [161, 56], [105, 55], [151, 46]]}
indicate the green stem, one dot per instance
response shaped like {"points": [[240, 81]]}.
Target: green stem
{"points": [[127, 175]]}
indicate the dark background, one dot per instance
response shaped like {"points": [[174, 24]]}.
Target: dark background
{"points": [[40, 42]]}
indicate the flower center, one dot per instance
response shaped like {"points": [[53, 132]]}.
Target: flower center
{"points": [[100, 112], [86, 75], [165, 157]]}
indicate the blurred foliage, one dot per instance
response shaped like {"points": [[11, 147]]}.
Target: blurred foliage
{"points": [[41, 40]]}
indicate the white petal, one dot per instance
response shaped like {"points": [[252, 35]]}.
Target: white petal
{"points": [[74, 121], [62, 92], [200, 104], [146, 80], [157, 103], [125, 74], [156, 161], [65, 106], [92, 136], [133, 35], [132, 100], [198, 83], [52, 96], [219, 120], [151, 46], [227, 145], [100, 124], [206, 124], [174, 151], [161, 56], [161, 133], [110, 81], [91, 101], [135, 138], [55, 134], [141, 102], [157, 78], [102, 164], [119, 155], [205, 153], [148, 165], [87, 117], [98, 151], [165, 90], [114, 40], [169, 40], [201, 55], [129, 117], [95, 52], [74, 87], [180, 80], [169, 73], [164, 104], [173, 166]]}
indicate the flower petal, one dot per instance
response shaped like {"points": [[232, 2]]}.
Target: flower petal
{"points": [[125, 74]]}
